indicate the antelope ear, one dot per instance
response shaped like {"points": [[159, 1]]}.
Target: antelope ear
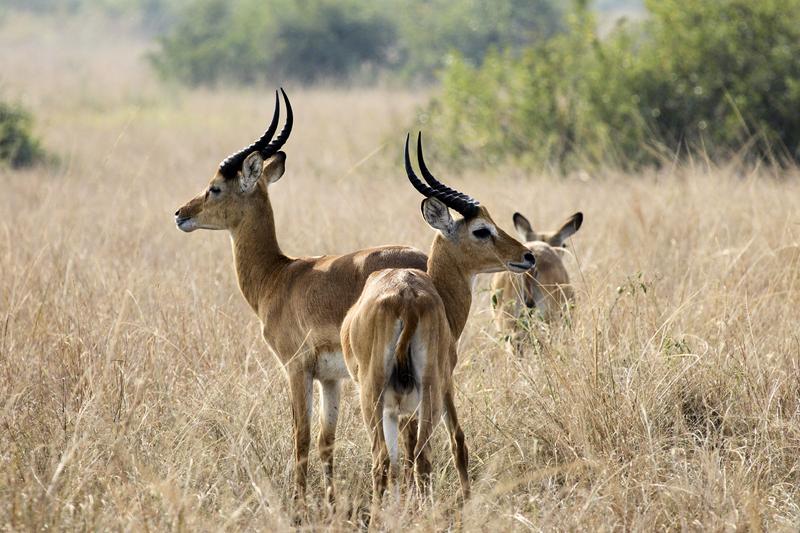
{"points": [[567, 230], [251, 171], [274, 167], [437, 215], [523, 227]]}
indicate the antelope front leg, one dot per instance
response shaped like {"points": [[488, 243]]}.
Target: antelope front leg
{"points": [[328, 415], [301, 390], [457, 444]]}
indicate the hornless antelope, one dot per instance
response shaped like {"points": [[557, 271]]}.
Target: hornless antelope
{"points": [[399, 339], [546, 288], [300, 302]]}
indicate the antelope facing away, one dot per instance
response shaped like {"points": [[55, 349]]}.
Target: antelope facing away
{"points": [[300, 302], [399, 339], [546, 289]]}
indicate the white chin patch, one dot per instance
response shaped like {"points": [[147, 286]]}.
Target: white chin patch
{"points": [[187, 225], [517, 268]]}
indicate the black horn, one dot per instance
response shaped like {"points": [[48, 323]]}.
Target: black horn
{"points": [[265, 145], [464, 204], [451, 194], [421, 187], [283, 136]]}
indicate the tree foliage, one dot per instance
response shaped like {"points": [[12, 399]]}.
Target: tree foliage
{"points": [[18, 147], [312, 40], [430, 30], [710, 76], [248, 40], [243, 41]]}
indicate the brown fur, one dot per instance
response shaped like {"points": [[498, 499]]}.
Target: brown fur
{"points": [[547, 288], [431, 310], [300, 302]]}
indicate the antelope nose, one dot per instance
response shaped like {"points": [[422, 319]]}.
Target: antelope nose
{"points": [[178, 212], [528, 257]]}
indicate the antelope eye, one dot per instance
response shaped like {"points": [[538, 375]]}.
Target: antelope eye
{"points": [[482, 233], [214, 190]]}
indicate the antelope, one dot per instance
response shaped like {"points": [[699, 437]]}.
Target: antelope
{"points": [[546, 289], [399, 339], [300, 301]]}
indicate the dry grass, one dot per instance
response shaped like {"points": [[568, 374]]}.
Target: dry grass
{"points": [[135, 391]]}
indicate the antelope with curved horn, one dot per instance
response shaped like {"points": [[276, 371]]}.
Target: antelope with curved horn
{"points": [[399, 339], [546, 289], [300, 301]]}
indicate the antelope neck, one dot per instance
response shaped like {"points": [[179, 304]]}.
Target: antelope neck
{"points": [[453, 283], [257, 255]]}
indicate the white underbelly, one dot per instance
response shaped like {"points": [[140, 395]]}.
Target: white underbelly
{"points": [[330, 365]]}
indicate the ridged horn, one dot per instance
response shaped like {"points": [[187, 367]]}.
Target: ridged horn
{"points": [[231, 165], [453, 195], [458, 201]]}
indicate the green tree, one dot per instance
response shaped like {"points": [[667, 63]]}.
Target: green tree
{"points": [[560, 102], [18, 147], [312, 40], [716, 76], [330, 40], [720, 74], [431, 30], [249, 40]]}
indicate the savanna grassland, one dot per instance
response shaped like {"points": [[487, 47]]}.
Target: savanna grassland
{"points": [[137, 394]]}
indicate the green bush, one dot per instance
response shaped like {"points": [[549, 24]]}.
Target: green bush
{"points": [[246, 41], [243, 41], [329, 40], [429, 31], [18, 147], [720, 74], [714, 77]]}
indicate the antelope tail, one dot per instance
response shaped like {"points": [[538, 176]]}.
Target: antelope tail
{"points": [[402, 378]]}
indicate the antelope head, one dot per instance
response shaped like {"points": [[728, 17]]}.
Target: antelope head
{"points": [[556, 239], [547, 285], [236, 189], [475, 243]]}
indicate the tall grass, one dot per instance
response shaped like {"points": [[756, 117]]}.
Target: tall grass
{"points": [[135, 391]]}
